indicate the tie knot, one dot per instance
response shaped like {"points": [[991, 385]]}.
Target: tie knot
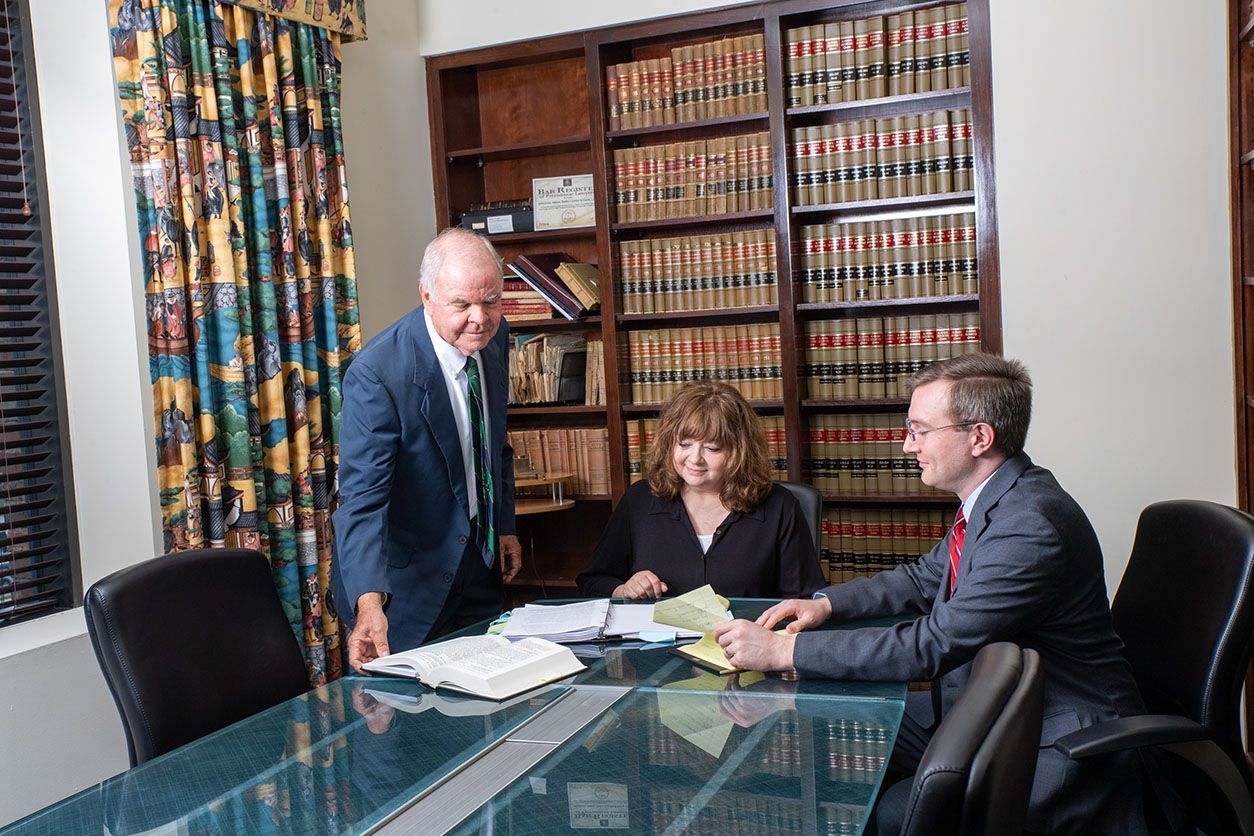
{"points": [[959, 520]]}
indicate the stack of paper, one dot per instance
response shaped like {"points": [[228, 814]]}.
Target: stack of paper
{"points": [[635, 621], [592, 621], [580, 622]]}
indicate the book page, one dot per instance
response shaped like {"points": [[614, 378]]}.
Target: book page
{"points": [[420, 661], [700, 610], [506, 671]]}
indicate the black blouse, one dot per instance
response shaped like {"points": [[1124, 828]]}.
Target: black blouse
{"points": [[766, 552]]}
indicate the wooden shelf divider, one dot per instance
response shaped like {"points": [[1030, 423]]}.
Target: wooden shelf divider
{"points": [[948, 99], [679, 127], [518, 150]]}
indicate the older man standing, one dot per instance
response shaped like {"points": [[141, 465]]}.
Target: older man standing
{"points": [[424, 532]]}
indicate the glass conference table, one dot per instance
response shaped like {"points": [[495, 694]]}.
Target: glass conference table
{"points": [[647, 743]]}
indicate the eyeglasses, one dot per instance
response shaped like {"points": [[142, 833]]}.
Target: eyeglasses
{"points": [[915, 435]]}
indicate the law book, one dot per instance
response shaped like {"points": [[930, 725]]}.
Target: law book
{"points": [[541, 268], [611, 97], [482, 666], [552, 299], [583, 280]]}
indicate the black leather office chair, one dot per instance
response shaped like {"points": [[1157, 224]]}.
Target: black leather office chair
{"points": [[1185, 611], [1005, 764], [993, 727], [192, 642], [811, 501]]}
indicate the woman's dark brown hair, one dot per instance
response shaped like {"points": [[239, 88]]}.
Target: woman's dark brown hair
{"points": [[714, 413]]}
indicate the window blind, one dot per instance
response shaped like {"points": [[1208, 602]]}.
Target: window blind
{"points": [[38, 565]]}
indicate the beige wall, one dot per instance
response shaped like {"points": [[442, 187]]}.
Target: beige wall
{"points": [[1117, 162], [1112, 192]]}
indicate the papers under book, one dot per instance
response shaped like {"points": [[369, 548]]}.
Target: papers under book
{"points": [[596, 620], [483, 666]]}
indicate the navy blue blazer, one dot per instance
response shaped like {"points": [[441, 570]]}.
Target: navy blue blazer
{"points": [[1031, 573], [403, 518]]}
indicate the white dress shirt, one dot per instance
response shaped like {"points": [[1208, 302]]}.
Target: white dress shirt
{"points": [[453, 364]]}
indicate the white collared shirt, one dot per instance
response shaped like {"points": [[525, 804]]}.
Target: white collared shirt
{"points": [[453, 364], [968, 504]]}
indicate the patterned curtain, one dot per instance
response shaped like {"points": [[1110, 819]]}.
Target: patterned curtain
{"points": [[232, 120]]}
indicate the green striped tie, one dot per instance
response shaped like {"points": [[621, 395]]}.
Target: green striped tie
{"points": [[484, 530]]}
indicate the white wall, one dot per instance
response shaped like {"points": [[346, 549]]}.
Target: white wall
{"points": [[388, 148], [59, 730], [1112, 196]]}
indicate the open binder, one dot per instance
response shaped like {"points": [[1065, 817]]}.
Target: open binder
{"points": [[588, 621]]}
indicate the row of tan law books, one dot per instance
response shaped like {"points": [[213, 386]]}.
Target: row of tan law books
{"points": [[726, 77], [874, 357], [583, 451], [877, 159], [859, 542], [685, 179], [861, 455], [746, 357], [640, 433], [698, 272], [850, 60], [895, 259]]}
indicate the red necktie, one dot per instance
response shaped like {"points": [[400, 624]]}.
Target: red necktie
{"points": [[956, 537]]}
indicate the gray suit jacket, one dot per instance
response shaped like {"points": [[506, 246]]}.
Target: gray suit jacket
{"points": [[1031, 573]]}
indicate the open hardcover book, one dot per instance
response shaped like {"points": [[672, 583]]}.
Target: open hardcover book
{"points": [[483, 666]]}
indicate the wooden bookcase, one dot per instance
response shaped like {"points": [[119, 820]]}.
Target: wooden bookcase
{"points": [[502, 115]]}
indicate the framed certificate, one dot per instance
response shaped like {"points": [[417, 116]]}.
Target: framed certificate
{"points": [[563, 202]]}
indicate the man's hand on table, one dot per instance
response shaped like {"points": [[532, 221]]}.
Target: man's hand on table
{"points": [[369, 639], [753, 647], [808, 612]]}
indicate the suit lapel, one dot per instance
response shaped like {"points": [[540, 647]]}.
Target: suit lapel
{"points": [[436, 409], [1002, 481]]}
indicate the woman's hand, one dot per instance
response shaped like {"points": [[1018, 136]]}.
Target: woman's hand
{"points": [[643, 584]]}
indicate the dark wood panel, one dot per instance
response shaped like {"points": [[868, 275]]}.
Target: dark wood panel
{"points": [[511, 179], [534, 102], [558, 545], [581, 248], [517, 150]]}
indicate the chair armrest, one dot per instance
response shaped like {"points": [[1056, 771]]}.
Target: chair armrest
{"points": [[1129, 733]]}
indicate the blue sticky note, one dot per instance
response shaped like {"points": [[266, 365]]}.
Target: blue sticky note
{"points": [[658, 636]]}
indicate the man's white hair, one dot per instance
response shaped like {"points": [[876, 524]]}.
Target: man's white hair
{"points": [[433, 256]]}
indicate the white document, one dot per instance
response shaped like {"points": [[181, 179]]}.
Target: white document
{"points": [[630, 620], [579, 622]]}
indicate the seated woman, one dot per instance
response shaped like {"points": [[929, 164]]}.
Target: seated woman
{"points": [[707, 512]]}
